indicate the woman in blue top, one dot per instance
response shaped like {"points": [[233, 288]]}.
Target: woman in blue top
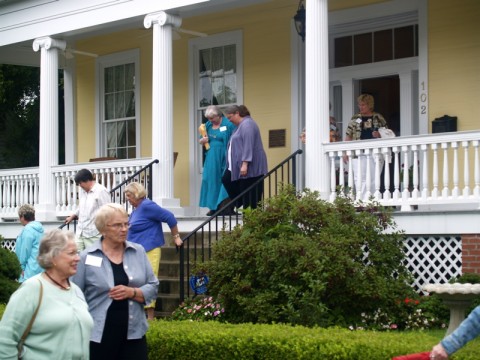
{"points": [[218, 132], [26, 246], [146, 228]]}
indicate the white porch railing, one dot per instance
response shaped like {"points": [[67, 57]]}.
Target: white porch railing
{"points": [[430, 170], [427, 171], [20, 186]]}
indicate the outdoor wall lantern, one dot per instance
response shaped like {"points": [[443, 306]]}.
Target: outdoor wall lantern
{"points": [[299, 19]]}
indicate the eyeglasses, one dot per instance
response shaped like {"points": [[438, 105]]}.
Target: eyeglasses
{"points": [[118, 226]]}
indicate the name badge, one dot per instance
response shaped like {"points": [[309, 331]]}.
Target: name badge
{"points": [[359, 120], [223, 128], [93, 261]]}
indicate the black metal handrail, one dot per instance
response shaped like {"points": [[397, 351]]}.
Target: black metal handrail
{"points": [[143, 176], [197, 244]]}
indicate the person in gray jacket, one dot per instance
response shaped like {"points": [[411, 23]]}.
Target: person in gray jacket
{"points": [[117, 280], [246, 158]]}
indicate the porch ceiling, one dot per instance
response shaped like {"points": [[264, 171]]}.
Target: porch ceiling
{"points": [[16, 40]]}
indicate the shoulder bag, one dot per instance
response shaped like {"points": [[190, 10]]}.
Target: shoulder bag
{"points": [[29, 327]]}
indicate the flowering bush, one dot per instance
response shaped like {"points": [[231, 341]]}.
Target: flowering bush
{"points": [[410, 316], [199, 309]]}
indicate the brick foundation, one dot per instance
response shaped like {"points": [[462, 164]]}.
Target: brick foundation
{"points": [[471, 253]]}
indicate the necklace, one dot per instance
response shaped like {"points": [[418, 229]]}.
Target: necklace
{"points": [[57, 283]]}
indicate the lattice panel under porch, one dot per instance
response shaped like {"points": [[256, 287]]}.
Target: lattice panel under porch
{"points": [[8, 244], [433, 259]]}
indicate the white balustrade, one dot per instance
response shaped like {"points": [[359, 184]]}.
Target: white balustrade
{"points": [[413, 180], [417, 178]]}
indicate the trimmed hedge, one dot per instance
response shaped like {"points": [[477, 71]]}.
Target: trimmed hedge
{"points": [[212, 340]]}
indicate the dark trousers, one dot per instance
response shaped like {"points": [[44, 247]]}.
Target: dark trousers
{"points": [[235, 188], [114, 345]]}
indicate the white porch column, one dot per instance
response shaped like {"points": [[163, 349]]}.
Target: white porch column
{"points": [[162, 108], [48, 152], [70, 128], [316, 96]]}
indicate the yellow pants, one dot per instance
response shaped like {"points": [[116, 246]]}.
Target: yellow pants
{"points": [[154, 256]]}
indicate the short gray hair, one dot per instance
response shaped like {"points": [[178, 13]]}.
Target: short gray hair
{"points": [[27, 211], [106, 212], [213, 110], [51, 245], [137, 190]]}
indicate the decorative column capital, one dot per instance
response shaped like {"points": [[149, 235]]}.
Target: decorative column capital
{"points": [[162, 18], [48, 42]]}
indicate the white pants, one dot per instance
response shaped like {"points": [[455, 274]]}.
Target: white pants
{"points": [[360, 180]]}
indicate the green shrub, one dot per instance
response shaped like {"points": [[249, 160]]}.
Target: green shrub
{"points": [[306, 261], [10, 271], [213, 340]]}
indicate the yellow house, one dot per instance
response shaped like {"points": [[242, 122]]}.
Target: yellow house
{"points": [[138, 76]]}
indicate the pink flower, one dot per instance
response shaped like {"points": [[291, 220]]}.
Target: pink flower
{"points": [[393, 326]]}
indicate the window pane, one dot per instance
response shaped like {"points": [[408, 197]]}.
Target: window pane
{"points": [[131, 132], [343, 51], [121, 134], [130, 76], [383, 49], [130, 104], [111, 133], [131, 153], [121, 153], [109, 106], [230, 56], [109, 82], [217, 85], [404, 42], [119, 78], [205, 66], [362, 49], [217, 61], [230, 89], [119, 105]]}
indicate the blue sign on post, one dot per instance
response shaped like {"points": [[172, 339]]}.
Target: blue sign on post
{"points": [[198, 283]]}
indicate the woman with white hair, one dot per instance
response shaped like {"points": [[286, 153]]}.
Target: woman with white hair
{"points": [[117, 280], [48, 313]]}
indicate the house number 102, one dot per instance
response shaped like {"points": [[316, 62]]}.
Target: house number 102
{"points": [[423, 100]]}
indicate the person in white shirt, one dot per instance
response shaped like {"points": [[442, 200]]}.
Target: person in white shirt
{"points": [[91, 198]]}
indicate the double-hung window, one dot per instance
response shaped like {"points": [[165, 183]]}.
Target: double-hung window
{"points": [[119, 110]]}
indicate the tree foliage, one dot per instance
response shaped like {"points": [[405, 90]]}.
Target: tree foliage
{"points": [[302, 260], [19, 116]]}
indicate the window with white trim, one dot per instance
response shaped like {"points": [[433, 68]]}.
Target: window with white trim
{"points": [[119, 99], [217, 73]]}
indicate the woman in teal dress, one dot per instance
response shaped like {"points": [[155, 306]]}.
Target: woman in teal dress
{"points": [[218, 132]]}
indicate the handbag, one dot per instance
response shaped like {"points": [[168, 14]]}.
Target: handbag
{"points": [[386, 133], [29, 327]]}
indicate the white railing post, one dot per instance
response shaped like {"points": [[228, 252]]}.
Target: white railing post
{"points": [[455, 172], [435, 191], [476, 165], [425, 177], [466, 170], [445, 177]]}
